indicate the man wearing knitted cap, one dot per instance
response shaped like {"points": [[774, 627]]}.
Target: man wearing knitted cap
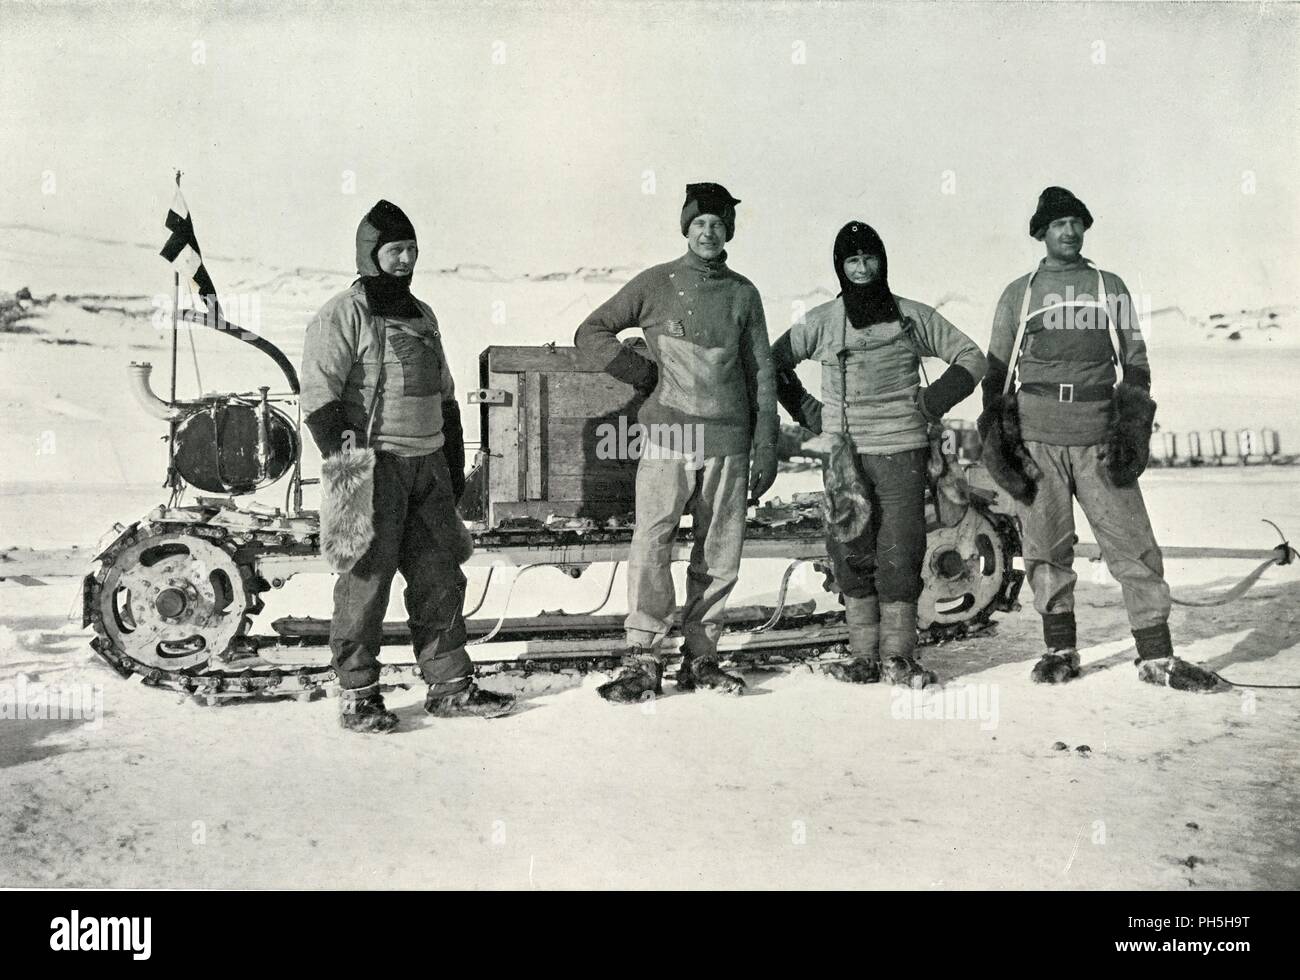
{"points": [[710, 415], [378, 398], [1070, 431]]}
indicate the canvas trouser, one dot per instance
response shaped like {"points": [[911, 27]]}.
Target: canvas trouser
{"points": [[1119, 521], [414, 534], [886, 558], [715, 496]]}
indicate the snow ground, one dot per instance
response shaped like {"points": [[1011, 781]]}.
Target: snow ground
{"points": [[802, 783]]}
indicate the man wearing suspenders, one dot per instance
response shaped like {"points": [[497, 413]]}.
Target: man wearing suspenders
{"points": [[1070, 432]]}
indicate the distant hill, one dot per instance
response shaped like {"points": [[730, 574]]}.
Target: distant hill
{"points": [[1275, 326], [526, 307]]}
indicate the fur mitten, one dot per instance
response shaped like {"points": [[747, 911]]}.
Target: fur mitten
{"points": [[845, 506], [347, 508], [1128, 435], [1005, 455]]}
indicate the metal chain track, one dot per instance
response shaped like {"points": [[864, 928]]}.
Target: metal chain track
{"points": [[233, 682]]}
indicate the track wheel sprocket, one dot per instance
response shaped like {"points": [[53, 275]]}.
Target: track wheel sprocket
{"points": [[963, 571], [172, 599]]}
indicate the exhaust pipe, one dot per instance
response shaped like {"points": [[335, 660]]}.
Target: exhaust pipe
{"points": [[151, 403]]}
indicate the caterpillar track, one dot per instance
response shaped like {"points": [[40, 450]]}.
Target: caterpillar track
{"points": [[175, 597]]}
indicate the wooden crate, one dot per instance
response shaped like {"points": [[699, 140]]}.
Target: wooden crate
{"points": [[540, 415]]}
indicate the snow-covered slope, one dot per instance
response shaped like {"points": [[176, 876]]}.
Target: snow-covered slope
{"points": [[802, 783]]}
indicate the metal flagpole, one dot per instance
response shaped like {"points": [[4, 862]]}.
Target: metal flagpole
{"points": [[172, 482]]}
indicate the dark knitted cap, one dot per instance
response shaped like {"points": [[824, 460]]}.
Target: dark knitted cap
{"points": [[710, 199], [383, 223], [1054, 203], [859, 238]]}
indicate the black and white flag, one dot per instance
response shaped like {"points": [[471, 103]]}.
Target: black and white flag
{"points": [[182, 251]]}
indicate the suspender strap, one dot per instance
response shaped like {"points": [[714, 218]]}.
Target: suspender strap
{"points": [[1112, 328], [1020, 334]]}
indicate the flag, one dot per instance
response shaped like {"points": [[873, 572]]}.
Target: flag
{"points": [[182, 251]]}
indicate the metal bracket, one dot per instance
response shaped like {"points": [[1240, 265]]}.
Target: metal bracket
{"points": [[1284, 551], [488, 396]]}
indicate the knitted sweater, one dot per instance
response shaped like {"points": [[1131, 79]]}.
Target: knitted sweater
{"points": [[882, 370], [704, 326], [340, 363], [1067, 342]]}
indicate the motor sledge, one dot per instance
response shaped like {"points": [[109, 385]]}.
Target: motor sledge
{"points": [[176, 597]]}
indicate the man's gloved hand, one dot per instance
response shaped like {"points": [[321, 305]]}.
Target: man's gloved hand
{"points": [[329, 428], [992, 385], [453, 447], [634, 369], [762, 470], [1139, 376], [650, 380], [811, 409], [796, 400], [939, 398]]}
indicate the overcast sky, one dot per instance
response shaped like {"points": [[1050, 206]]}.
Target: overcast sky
{"points": [[542, 139]]}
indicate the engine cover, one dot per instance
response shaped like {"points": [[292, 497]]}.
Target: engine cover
{"points": [[231, 446]]}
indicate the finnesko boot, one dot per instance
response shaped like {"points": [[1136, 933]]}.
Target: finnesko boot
{"points": [[1056, 667], [704, 671], [1061, 661], [898, 646], [469, 702], [862, 617], [362, 710], [1158, 665], [642, 674]]}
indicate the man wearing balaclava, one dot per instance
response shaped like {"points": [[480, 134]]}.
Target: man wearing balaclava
{"points": [[869, 344], [710, 433], [379, 400], [1075, 430]]}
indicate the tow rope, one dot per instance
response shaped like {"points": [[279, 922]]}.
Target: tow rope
{"points": [[1283, 554]]}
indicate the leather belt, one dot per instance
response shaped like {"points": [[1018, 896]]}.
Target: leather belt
{"points": [[1070, 393]]}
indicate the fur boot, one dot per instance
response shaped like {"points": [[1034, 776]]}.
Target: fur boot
{"points": [[347, 507], [1180, 675], [862, 617], [1128, 434], [898, 647], [1005, 455], [1056, 667], [845, 507]]}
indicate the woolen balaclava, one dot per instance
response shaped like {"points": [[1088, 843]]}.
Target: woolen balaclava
{"points": [[710, 199], [873, 302], [386, 295], [1054, 203]]}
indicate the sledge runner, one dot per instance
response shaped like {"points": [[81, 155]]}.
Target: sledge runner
{"points": [[1071, 431], [378, 397], [869, 343], [711, 430]]}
